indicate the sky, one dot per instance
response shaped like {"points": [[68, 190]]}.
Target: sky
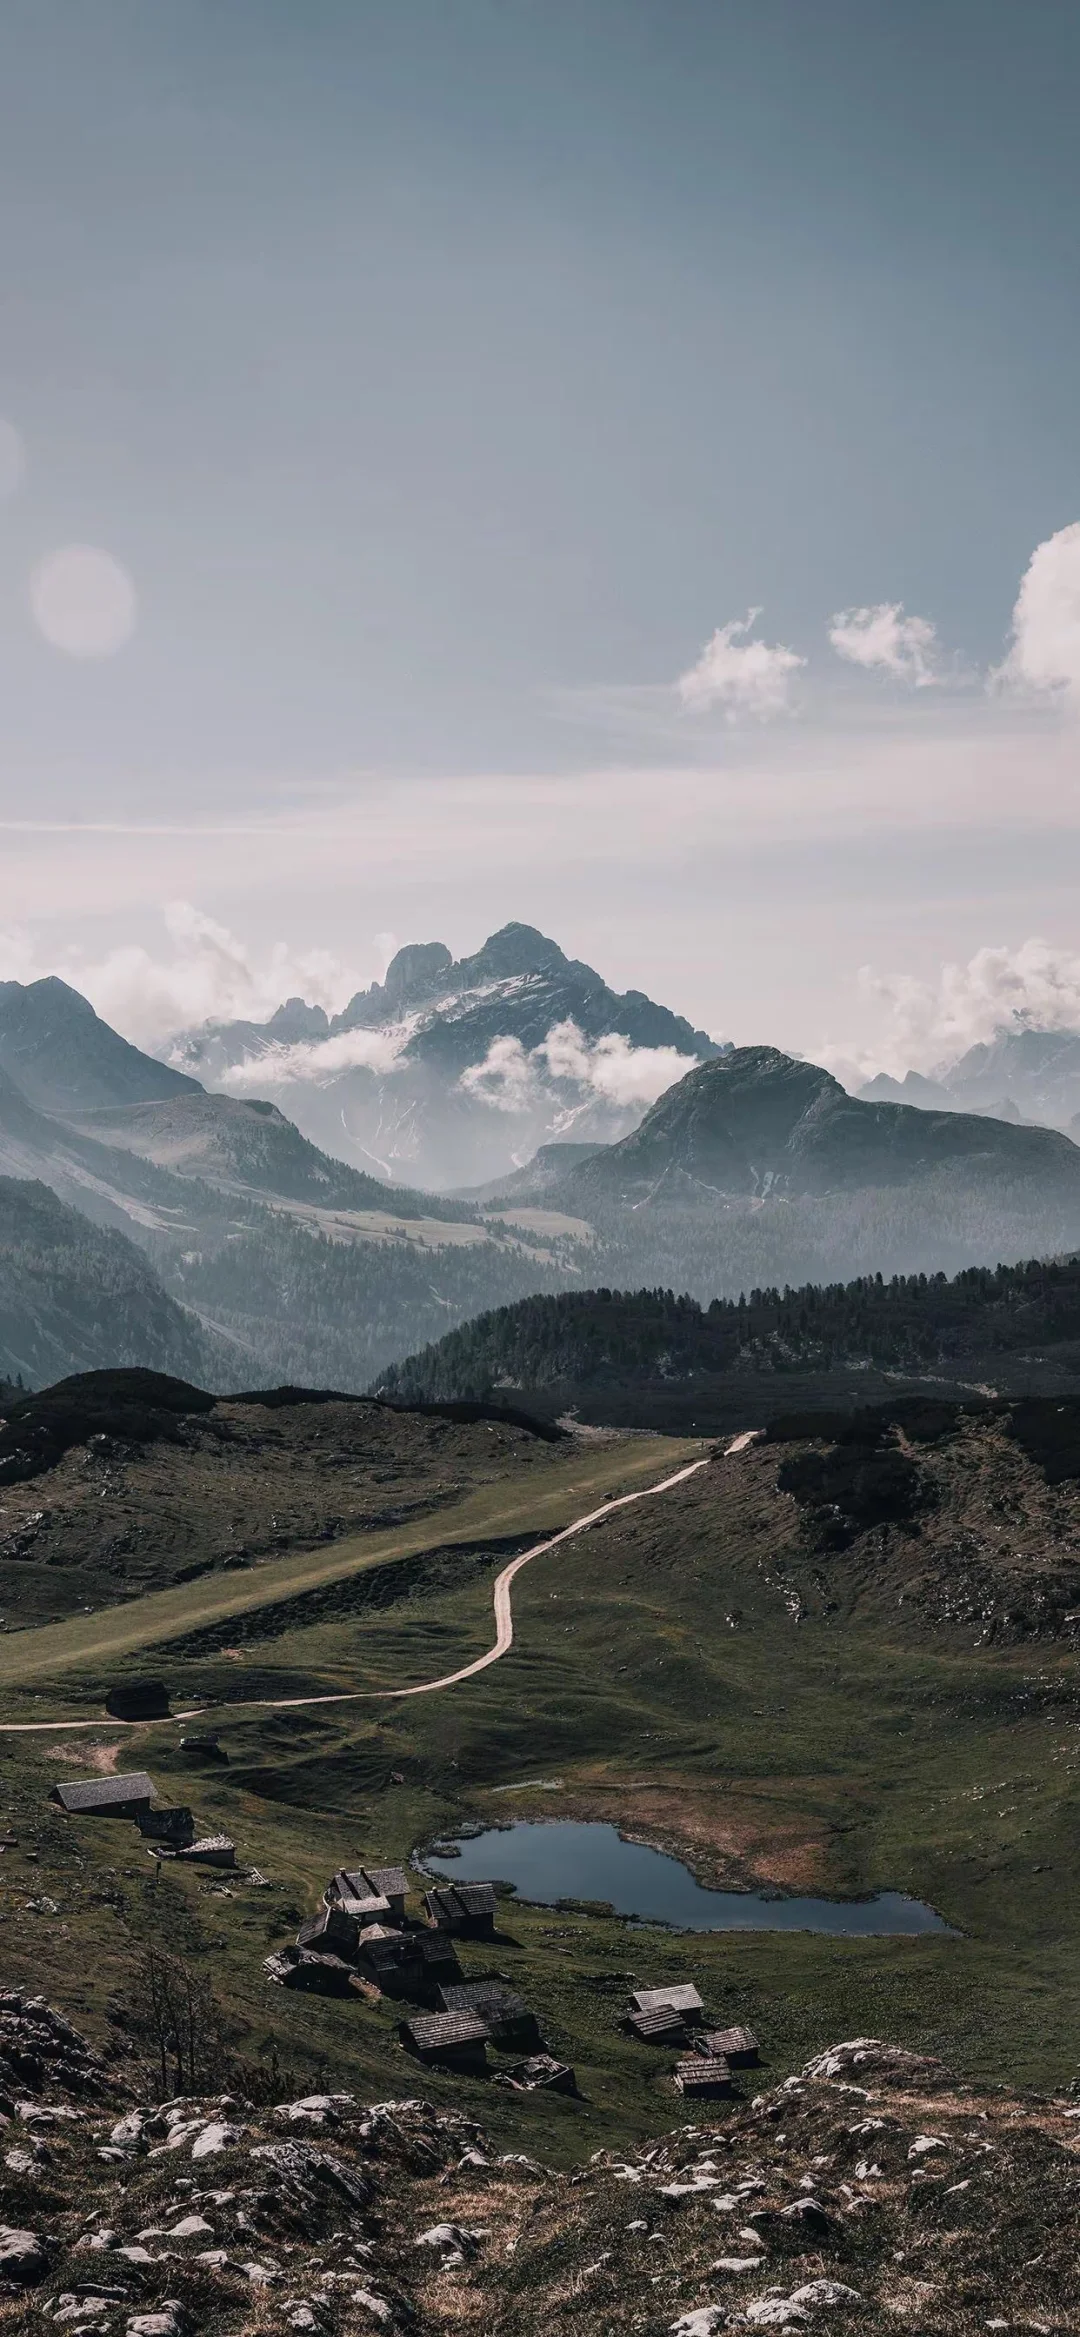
{"points": [[608, 463]]}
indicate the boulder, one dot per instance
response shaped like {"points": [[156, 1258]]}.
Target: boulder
{"points": [[23, 2260]]}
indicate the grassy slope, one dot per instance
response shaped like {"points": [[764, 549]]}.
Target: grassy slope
{"points": [[542, 1498], [869, 1745]]}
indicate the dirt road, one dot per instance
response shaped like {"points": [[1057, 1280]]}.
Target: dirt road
{"points": [[503, 1616]]}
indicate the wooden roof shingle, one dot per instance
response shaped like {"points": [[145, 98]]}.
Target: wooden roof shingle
{"points": [[102, 1794]]}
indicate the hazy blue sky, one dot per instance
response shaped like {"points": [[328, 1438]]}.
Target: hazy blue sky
{"points": [[443, 377]]}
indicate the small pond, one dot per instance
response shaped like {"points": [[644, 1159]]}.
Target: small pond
{"points": [[566, 1859]]}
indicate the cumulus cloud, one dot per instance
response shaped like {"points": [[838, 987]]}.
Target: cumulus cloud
{"points": [[1044, 656], [930, 1024], [883, 636], [740, 675], [316, 1060], [512, 1078]]}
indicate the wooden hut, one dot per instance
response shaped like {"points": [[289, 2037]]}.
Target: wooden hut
{"points": [[680, 1997], [176, 1826], [213, 1850], [105, 1797], [138, 1700], [540, 2073], [373, 1894], [392, 1883], [392, 1960], [508, 2019], [314, 1975], [703, 2077], [662, 2026], [331, 1931], [449, 2040], [465, 1909], [738, 2047]]}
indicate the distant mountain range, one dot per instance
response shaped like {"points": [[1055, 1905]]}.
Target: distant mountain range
{"points": [[282, 1262], [757, 1123], [1019, 1075], [248, 1245], [759, 1169], [453, 1071]]}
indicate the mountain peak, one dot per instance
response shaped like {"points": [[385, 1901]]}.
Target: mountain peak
{"points": [[514, 950], [415, 971], [60, 1052]]}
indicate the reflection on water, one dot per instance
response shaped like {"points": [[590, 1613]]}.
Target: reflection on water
{"points": [[568, 1859]]}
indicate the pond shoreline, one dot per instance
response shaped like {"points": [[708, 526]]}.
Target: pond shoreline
{"points": [[596, 1865]]}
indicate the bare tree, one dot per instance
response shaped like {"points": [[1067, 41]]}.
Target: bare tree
{"points": [[177, 2014]]}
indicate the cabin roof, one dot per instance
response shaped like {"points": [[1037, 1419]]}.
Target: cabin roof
{"points": [[103, 1793], [732, 2041], [484, 1997], [681, 1998], [391, 1881], [430, 2030], [697, 2075]]}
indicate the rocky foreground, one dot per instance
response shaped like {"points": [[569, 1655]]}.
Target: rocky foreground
{"points": [[869, 2193]]}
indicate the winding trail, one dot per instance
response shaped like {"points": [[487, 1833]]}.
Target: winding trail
{"points": [[503, 1615]]}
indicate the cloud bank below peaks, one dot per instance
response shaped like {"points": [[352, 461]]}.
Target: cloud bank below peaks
{"points": [[513, 1078]]}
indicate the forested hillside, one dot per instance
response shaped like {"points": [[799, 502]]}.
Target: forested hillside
{"points": [[601, 1350], [75, 1296], [320, 1312]]}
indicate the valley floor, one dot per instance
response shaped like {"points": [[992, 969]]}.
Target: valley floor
{"points": [[687, 1669]]}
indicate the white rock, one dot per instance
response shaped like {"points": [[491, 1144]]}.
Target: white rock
{"points": [[823, 2295], [129, 2132], [216, 2258], [169, 2320], [191, 2227], [376, 2305], [261, 2275], [924, 2143], [217, 2136], [777, 2312], [445, 2235], [314, 2109], [20, 2161], [702, 2323], [736, 2264]]}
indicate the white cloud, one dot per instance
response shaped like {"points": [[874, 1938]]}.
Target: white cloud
{"points": [[316, 1060], [513, 1079], [1045, 652], [742, 676], [207, 975], [930, 1024], [618, 1071], [884, 636], [507, 1079]]}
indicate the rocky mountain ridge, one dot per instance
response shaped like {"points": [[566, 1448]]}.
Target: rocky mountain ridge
{"points": [[1023, 1074], [757, 1122], [872, 2191], [450, 1071]]}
